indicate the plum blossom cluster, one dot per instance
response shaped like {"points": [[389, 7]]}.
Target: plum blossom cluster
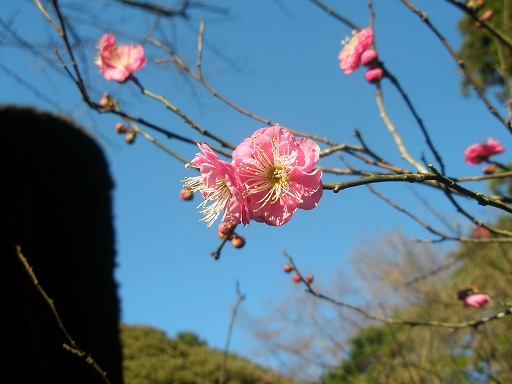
{"points": [[271, 175], [480, 152], [357, 51], [118, 62]]}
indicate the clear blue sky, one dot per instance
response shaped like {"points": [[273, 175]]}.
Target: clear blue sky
{"points": [[279, 60]]}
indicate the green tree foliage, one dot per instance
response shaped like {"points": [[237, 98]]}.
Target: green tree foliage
{"points": [[488, 60], [417, 354], [151, 357]]}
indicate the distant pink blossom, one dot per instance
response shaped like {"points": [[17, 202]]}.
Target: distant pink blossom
{"points": [[118, 62], [350, 55], [220, 187], [278, 176], [477, 300], [481, 233], [479, 152]]}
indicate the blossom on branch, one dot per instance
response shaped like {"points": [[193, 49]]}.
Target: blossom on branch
{"points": [[350, 55], [118, 62], [277, 172], [479, 152], [477, 300], [220, 187]]}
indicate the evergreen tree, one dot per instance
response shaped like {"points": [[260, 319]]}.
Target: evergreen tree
{"points": [[151, 357], [487, 59]]}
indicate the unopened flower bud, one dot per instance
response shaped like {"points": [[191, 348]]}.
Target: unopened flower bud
{"points": [[121, 128], [238, 241], [225, 229], [309, 278], [186, 194], [105, 100], [374, 75], [368, 57], [130, 137], [481, 233], [296, 277], [288, 268], [490, 169], [487, 15]]}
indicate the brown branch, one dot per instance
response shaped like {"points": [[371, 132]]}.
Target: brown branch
{"points": [[489, 27], [336, 15], [72, 347], [423, 16], [239, 298], [389, 320]]}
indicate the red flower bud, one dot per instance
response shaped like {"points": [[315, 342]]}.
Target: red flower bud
{"points": [[186, 194], [374, 75], [130, 137], [238, 241]]}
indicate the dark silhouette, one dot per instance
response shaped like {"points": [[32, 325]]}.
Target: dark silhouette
{"points": [[55, 203]]}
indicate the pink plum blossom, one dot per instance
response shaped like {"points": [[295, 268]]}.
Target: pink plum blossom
{"points": [[277, 172], [220, 187], [479, 152], [350, 55], [477, 300], [118, 62]]}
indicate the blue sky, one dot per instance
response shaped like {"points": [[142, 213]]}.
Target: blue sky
{"points": [[277, 59]]}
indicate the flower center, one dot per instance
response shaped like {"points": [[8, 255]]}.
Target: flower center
{"points": [[270, 175]]}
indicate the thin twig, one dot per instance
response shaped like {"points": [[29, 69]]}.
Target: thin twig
{"points": [[492, 109], [239, 298], [394, 133], [72, 347], [388, 320], [336, 15]]}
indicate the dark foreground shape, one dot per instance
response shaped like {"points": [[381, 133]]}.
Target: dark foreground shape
{"points": [[55, 202]]}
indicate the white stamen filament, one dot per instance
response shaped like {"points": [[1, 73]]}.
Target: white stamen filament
{"points": [[215, 200]]}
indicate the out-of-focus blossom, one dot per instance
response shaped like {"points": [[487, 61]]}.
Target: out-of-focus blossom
{"points": [[118, 62], [277, 172], [374, 75], [369, 57], [296, 277], [477, 300], [350, 55], [481, 233], [220, 187], [479, 152], [186, 194]]}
